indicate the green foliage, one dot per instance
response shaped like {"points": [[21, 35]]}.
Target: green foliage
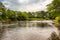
{"points": [[0, 18], [57, 19], [2, 7], [21, 16], [25, 15], [54, 9], [52, 13]]}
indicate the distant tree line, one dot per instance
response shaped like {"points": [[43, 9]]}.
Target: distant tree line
{"points": [[53, 11], [7, 14]]}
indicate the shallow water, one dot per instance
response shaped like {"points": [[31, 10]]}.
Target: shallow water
{"points": [[33, 31]]}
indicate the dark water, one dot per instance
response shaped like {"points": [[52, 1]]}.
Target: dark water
{"points": [[31, 30]]}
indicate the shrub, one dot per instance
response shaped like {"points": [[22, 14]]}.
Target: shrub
{"points": [[57, 19]]}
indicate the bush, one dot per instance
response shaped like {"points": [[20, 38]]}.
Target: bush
{"points": [[57, 19]]}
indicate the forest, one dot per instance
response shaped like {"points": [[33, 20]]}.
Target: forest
{"points": [[52, 13]]}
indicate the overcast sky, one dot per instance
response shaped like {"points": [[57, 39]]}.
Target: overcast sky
{"points": [[26, 5]]}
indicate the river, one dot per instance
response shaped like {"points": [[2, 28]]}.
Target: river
{"points": [[29, 30]]}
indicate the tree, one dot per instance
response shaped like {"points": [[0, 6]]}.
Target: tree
{"points": [[31, 14], [3, 11], [21, 16], [54, 9], [11, 15], [42, 14], [2, 7]]}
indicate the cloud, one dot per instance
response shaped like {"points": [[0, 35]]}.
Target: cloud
{"points": [[26, 5]]}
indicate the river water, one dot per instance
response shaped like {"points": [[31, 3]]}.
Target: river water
{"points": [[31, 30]]}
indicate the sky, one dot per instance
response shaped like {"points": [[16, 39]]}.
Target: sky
{"points": [[26, 5]]}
